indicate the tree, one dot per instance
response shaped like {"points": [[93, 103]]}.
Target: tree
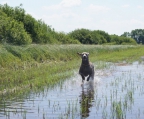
{"points": [[105, 35], [38, 30], [12, 31], [121, 40], [86, 36]]}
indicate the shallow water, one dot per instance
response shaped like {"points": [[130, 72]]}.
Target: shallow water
{"points": [[116, 92]]}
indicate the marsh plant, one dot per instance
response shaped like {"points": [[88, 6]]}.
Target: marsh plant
{"points": [[33, 66], [36, 69]]}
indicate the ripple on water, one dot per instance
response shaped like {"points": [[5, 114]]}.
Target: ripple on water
{"points": [[114, 93]]}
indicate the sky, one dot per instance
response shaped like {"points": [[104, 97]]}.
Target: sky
{"points": [[111, 16]]}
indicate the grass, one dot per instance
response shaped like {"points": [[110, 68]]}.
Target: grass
{"points": [[116, 98], [35, 66]]}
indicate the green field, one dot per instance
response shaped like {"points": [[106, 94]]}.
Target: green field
{"points": [[35, 66]]}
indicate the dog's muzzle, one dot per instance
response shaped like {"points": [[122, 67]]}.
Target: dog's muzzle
{"points": [[84, 57]]}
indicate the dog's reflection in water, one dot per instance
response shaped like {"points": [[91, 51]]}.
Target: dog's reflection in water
{"points": [[86, 98]]}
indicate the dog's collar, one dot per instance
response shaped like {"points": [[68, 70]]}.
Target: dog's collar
{"points": [[86, 65]]}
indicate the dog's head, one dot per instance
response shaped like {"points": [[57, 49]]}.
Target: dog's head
{"points": [[84, 55]]}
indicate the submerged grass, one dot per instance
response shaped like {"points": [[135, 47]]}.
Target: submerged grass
{"points": [[35, 66]]}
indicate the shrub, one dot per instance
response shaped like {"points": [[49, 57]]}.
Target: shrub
{"points": [[121, 40], [12, 31]]}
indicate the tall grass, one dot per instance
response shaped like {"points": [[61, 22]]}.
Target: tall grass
{"points": [[46, 53], [35, 66]]}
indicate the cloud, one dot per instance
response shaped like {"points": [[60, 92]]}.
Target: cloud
{"points": [[63, 4], [52, 7], [70, 3], [125, 6], [137, 22], [4, 2], [62, 13], [97, 9], [58, 17], [120, 26], [67, 21], [123, 23], [67, 17], [139, 7]]}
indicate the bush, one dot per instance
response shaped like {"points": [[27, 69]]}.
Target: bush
{"points": [[12, 31], [86, 36], [65, 39], [121, 40]]}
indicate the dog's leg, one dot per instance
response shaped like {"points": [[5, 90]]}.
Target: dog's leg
{"points": [[91, 75], [83, 78], [88, 78]]}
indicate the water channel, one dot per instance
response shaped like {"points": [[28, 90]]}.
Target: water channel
{"points": [[116, 92]]}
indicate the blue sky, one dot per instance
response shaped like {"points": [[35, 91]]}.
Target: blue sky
{"points": [[111, 16]]}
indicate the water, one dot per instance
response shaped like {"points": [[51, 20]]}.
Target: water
{"points": [[116, 92]]}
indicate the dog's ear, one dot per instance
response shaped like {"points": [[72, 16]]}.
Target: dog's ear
{"points": [[87, 53], [79, 53]]}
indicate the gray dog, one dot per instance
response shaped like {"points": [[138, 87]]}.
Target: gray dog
{"points": [[86, 68]]}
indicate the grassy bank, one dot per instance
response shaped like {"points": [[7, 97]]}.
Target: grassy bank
{"points": [[35, 66]]}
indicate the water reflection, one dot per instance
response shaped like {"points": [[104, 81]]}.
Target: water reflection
{"points": [[115, 93], [86, 99]]}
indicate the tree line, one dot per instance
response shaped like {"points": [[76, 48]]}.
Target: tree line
{"points": [[137, 34], [19, 28], [86, 36]]}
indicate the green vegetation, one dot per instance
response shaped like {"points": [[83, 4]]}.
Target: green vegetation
{"points": [[121, 40], [20, 28], [34, 66], [42, 59], [86, 36], [12, 31], [137, 34]]}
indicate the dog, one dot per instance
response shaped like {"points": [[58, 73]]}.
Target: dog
{"points": [[87, 68]]}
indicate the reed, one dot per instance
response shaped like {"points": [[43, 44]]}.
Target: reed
{"points": [[35, 66]]}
